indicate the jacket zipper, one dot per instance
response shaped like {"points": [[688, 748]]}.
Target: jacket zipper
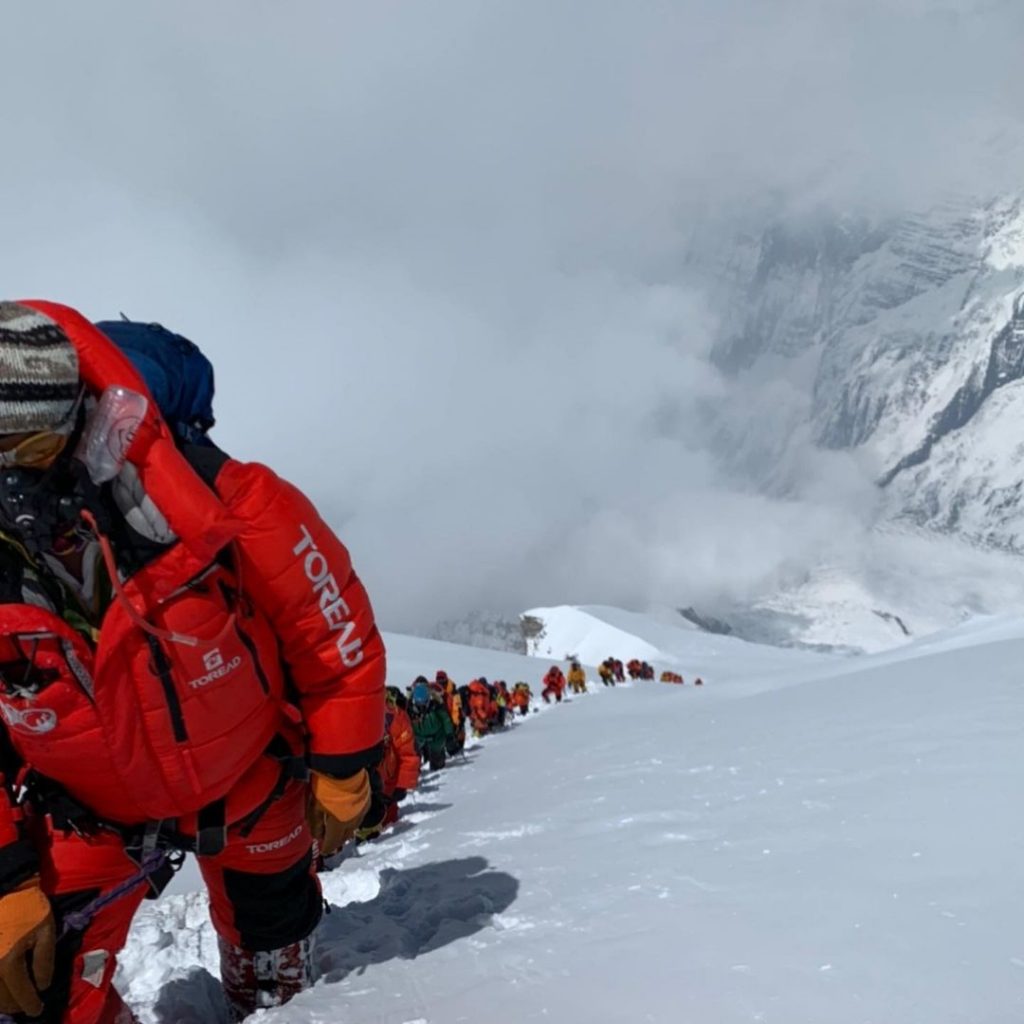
{"points": [[162, 666], [196, 583], [233, 600]]}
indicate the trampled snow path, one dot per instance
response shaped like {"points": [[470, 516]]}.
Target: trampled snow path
{"points": [[847, 850]]}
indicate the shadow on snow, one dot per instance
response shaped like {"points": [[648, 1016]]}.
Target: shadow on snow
{"points": [[416, 911], [195, 999], [418, 808]]}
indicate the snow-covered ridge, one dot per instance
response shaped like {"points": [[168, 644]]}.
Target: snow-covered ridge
{"points": [[668, 641]]}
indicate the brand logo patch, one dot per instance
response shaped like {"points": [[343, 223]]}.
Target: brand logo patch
{"points": [[34, 721], [214, 659], [276, 844], [216, 668]]}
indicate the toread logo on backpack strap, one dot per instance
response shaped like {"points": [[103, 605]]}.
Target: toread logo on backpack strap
{"points": [[216, 668]]}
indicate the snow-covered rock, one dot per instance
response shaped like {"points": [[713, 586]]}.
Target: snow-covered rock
{"points": [[489, 630]]}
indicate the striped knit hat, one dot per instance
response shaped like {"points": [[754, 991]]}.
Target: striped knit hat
{"points": [[38, 371]]}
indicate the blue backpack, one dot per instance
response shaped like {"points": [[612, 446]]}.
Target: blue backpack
{"points": [[178, 375]]}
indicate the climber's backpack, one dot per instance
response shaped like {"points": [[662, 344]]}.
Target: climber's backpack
{"points": [[178, 375]]}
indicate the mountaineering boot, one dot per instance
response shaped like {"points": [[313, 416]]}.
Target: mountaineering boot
{"points": [[253, 981]]}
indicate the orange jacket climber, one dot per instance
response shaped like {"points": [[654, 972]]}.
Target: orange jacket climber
{"points": [[482, 708], [521, 697]]}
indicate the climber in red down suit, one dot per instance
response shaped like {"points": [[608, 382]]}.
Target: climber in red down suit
{"points": [[398, 772], [554, 684], [187, 661]]}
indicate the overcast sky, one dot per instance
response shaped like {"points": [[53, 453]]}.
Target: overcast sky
{"points": [[425, 244]]}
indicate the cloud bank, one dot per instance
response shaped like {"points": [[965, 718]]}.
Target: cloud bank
{"points": [[436, 251]]}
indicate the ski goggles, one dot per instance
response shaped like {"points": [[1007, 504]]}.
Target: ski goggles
{"points": [[40, 450]]}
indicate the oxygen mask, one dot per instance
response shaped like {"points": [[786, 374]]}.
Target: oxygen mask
{"points": [[39, 506], [48, 478], [43, 487]]}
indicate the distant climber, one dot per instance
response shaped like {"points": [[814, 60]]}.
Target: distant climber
{"points": [[503, 702], [554, 684], [431, 725], [577, 678], [483, 711], [398, 771], [456, 712], [521, 697]]}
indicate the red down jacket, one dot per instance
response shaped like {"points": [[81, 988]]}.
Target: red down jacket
{"points": [[140, 726], [400, 766]]}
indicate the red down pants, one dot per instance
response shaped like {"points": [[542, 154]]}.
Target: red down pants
{"points": [[263, 891]]}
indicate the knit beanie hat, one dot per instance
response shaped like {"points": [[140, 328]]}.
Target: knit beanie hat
{"points": [[38, 371]]}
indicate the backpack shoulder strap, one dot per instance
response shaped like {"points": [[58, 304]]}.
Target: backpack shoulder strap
{"points": [[207, 460]]}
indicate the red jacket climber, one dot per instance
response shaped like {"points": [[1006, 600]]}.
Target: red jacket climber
{"points": [[398, 772], [156, 598], [400, 769], [554, 684]]}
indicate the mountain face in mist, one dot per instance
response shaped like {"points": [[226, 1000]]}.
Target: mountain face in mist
{"points": [[900, 340], [900, 343]]}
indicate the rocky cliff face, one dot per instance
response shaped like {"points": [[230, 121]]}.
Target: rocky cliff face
{"points": [[899, 339], [488, 630]]}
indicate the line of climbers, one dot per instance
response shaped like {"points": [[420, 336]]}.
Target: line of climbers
{"points": [[610, 672], [675, 677], [426, 725], [638, 669]]}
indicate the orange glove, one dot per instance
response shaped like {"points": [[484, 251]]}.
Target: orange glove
{"points": [[28, 942], [336, 809]]}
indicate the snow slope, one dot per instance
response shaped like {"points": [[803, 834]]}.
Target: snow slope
{"points": [[844, 851]]}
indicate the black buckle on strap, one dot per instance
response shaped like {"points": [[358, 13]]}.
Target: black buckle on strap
{"points": [[212, 831]]}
